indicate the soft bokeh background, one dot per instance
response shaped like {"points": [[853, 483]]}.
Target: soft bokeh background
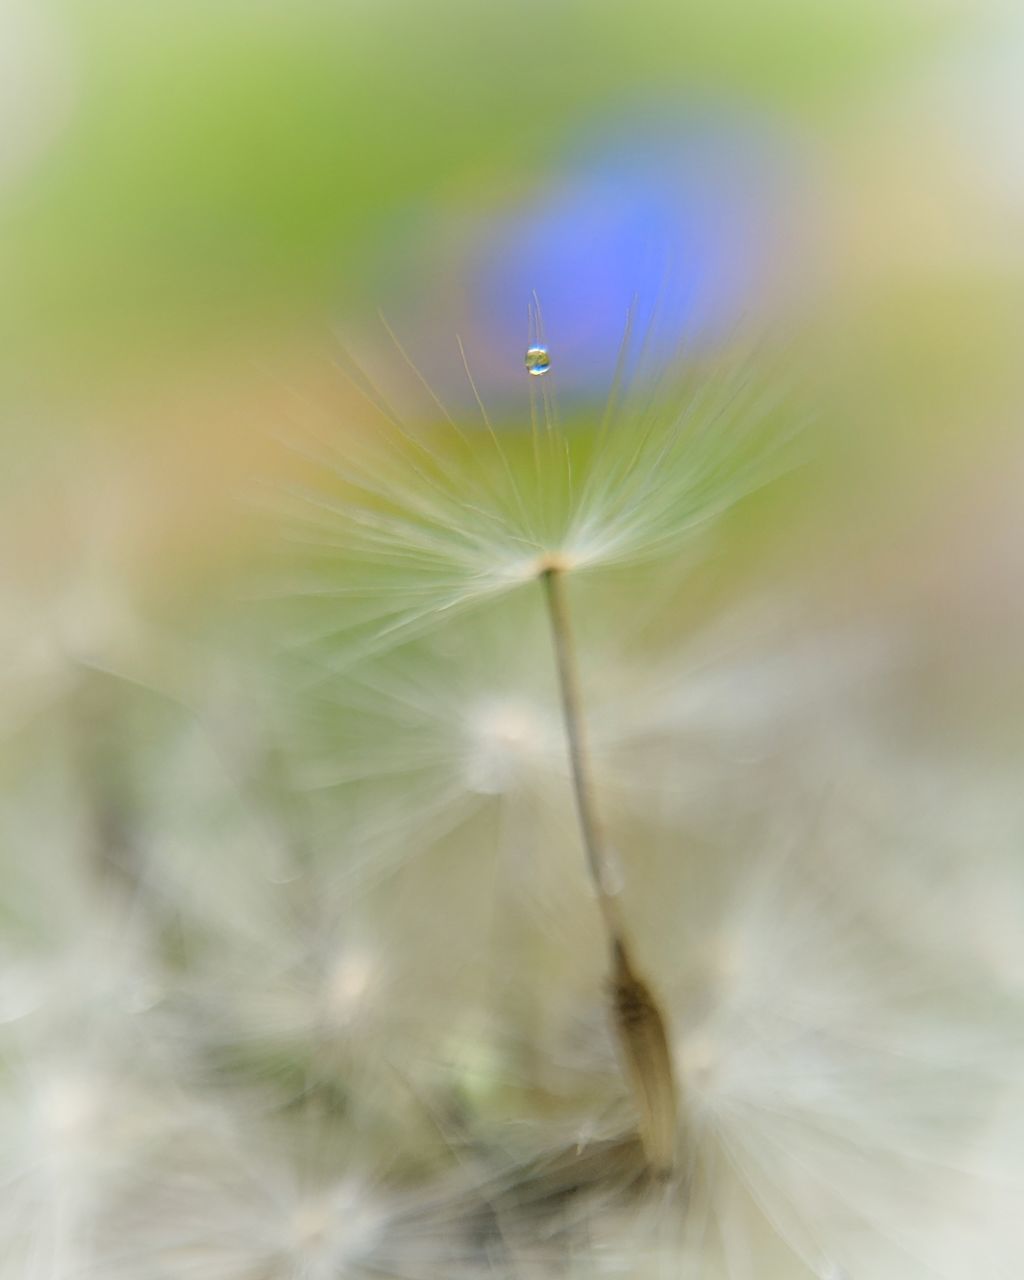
{"points": [[204, 205], [194, 198], [197, 199]]}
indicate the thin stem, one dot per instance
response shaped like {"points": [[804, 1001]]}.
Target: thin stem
{"points": [[638, 1022], [569, 687]]}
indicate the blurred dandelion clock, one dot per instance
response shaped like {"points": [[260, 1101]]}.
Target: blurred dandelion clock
{"points": [[829, 1098], [87, 1089], [237, 1203]]}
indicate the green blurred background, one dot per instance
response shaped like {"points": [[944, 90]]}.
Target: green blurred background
{"points": [[194, 195]]}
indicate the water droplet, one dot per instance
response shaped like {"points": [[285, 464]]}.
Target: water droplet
{"points": [[538, 361]]}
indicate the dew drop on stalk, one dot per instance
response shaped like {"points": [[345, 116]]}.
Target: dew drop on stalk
{"points": [[538, 361]]}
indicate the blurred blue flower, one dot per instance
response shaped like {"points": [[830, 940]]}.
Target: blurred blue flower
{"points": [[661, 220]]}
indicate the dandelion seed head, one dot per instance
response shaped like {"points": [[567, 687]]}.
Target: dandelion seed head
{"points": [[845, 1087], [349, 984], [535, 566], [67, 1109], [509, 741], [328, 1230], [243, 1205], [399, 528]]}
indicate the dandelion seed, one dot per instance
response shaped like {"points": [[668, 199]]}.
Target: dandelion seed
{"points": [[627, 498]]}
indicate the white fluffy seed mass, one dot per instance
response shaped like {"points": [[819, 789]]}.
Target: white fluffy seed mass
{"points": [[311, 983]]}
